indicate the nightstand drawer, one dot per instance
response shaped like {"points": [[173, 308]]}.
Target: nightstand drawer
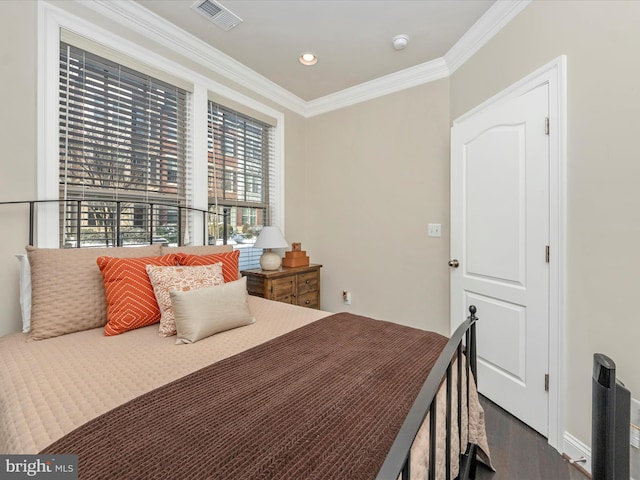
{"points": [[311, 300], [308, 282]]}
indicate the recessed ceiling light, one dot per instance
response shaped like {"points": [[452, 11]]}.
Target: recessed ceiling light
{"points": [[308, 59]]}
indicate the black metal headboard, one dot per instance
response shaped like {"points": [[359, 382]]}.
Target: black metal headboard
{"points": [[117, 217]]}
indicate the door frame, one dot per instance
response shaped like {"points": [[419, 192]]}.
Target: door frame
{"points": [[553, 74]]}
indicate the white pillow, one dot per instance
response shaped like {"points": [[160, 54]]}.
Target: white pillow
{"points": [[25, 291], [203, 312]]}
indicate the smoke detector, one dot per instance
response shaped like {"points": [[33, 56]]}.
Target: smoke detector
{"points": [[400, 41], [217, 14]]}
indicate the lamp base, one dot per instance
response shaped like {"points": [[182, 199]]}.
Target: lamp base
{"points": [[270, 261]]}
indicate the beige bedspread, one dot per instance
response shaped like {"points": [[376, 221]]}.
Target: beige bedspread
{"points": [[50, 387]]}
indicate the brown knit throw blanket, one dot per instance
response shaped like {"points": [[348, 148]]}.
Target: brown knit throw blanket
{"points": [[323, 402]]}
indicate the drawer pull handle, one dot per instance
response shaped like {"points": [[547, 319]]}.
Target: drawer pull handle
{"points": [[308, 302], [308, 282]]}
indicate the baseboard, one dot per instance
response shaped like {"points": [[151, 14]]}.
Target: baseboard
{"points": [[574, 450]]}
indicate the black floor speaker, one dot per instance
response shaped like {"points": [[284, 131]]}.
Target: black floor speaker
{"points": [[610, 422]]}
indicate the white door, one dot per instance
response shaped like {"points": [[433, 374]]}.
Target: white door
{"points": [[499, 235]]}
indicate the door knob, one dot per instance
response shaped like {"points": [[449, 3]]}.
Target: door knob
{"points": [[454, 263]]}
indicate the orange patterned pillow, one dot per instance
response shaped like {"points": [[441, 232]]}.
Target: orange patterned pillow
{"points": [[229, 262], [131, 302]]}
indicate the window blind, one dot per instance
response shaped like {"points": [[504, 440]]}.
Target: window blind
{"points": [[123, 139], [241, 168]]}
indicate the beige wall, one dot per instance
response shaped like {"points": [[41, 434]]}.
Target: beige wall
{"points": [[600, 39], [377, 173], [18, 139]]}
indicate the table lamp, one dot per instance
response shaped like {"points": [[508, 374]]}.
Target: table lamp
{"points": [[269, 238]]}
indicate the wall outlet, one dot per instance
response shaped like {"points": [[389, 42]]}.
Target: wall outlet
{"points": [[434, 230], [346, 297]]}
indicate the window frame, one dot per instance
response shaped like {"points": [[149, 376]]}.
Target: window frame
{"points": [[50, 21], [112, 118]]}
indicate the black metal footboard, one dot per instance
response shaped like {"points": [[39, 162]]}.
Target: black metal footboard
{"points": [[398, 461]]}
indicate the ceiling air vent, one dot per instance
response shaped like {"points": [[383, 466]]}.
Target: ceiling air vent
{"points": [[217, 14]]}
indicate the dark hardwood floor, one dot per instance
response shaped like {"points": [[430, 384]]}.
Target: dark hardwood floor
{"points": [[519, 452]]}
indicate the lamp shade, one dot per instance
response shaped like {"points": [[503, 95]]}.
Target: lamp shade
{"points": [[271, 237]]}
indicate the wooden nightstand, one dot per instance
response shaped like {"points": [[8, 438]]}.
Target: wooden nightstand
{"points": [[295, 285]]}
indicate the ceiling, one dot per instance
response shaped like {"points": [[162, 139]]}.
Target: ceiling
{"points": [[352, 38]]}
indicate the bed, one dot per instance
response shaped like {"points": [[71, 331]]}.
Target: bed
{"points": [[291, 393]]}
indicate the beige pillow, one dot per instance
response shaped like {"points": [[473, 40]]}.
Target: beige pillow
{"points": [[67, 291], [182, 279], [203, 312]]}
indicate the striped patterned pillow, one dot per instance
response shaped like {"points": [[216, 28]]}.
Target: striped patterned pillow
{"points": [[229, 261], [131, 302]]}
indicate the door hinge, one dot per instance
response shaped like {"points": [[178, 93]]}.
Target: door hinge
{"points": [[546, 125], [546, 382], [546, 254]]}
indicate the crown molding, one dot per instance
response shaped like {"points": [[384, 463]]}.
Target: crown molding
{"points": [[487, 26], [134, 16], [394, 82]]}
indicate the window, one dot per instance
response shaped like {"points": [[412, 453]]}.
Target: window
{"points": [[230, 181], [123, 140], [241, 166], [249, 216]]}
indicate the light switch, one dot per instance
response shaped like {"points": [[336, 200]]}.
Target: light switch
{"points": [[435, 229]]}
